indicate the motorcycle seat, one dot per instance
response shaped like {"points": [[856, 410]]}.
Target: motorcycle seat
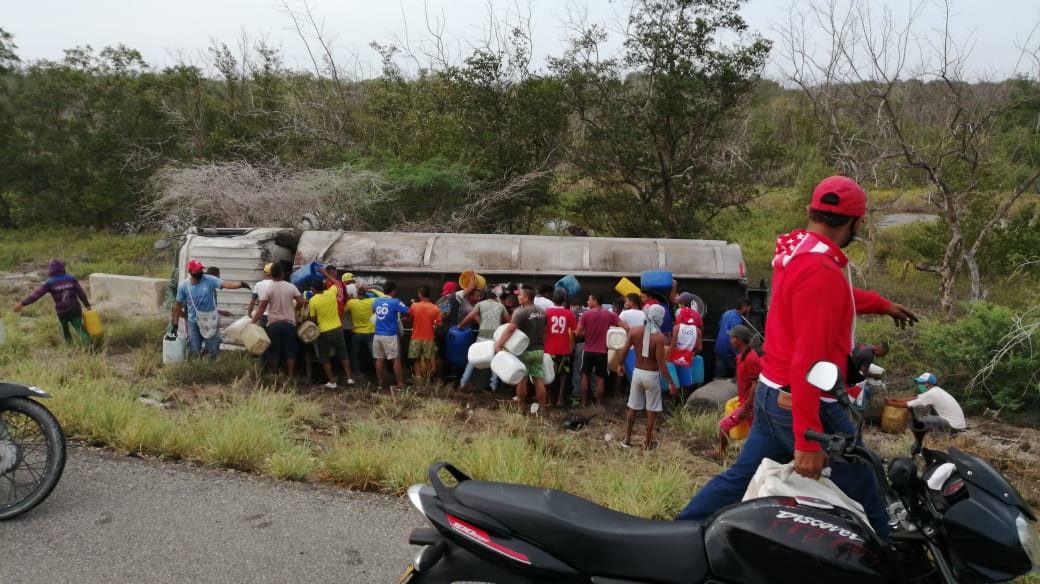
{"points": [[592, 539]]}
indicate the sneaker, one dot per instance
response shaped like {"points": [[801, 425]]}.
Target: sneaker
{"points": [[350, 382], [653, 445], [626, 444], [331, 385]]}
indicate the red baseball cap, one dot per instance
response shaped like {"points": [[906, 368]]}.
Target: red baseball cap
{"points": [[841, 195], [449, 287], [195, 266]]}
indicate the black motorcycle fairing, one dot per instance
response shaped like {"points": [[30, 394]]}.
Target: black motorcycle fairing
{"points": [[977, 472], [776, 540], [8, 389], [982, 538], [593, 540]]}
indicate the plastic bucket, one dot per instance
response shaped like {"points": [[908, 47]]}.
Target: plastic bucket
{"points": [[465, 276], [302, 276], [616, 337], [624, 287], [895, 417], [656, 280], [234, 330], [697, 371], [92, 322], [308, 332], [508, 367], [548, 371], [254, 338], [741, 430], [570, 284], [457, 343], [673, 374], [630, 363], [480, 354], [173, 350], [517, 342]]}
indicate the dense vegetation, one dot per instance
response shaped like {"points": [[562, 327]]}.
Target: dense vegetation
{"points": [[677, 135]]}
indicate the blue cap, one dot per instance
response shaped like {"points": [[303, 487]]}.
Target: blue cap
{"points": [[926, 378]]}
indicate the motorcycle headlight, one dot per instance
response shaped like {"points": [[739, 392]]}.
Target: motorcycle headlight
{"points": [[1029, 539]]}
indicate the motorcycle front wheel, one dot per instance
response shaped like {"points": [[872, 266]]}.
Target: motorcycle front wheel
{"points": [[32, 455]]}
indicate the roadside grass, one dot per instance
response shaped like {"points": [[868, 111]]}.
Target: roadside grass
{"points": [[84, 251]]}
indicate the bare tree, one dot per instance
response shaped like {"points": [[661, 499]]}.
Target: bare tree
{"points": [[892, 99], [240, 194]]}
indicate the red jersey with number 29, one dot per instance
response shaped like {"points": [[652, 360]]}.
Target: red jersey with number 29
{"points": [[560, 322]]}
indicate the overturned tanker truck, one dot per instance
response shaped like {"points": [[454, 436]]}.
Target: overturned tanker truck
{"points": [[712, 270]]}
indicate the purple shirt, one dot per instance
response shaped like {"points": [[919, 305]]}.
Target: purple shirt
{"points": [[597, 321], [65, 290]]}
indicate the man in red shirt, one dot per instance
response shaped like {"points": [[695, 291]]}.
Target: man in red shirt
{"points": [[559, 342], [593, 325], [422, 349], [748, 370], [811, 318]]}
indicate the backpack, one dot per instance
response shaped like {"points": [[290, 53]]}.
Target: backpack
{"points": [[450, 308]]}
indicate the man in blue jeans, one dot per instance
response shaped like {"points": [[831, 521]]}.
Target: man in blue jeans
{"points": [[811, 318]]}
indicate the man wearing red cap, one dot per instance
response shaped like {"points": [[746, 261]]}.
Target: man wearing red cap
{"points": [[198, 294], [811, 318]]}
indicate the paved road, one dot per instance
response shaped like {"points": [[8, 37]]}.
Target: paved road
{"points": [[120, 519]]}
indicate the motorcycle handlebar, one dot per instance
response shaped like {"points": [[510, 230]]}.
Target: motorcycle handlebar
{"points": [[818, 437]]}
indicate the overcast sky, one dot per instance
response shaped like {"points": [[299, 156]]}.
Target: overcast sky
{"points": [[171, 31]]}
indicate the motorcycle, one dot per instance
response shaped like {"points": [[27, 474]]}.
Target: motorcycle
{"points": [[32, 449], [954, 518]]}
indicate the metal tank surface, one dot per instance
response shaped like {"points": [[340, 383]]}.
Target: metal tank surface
{"points": [[713, 270]]}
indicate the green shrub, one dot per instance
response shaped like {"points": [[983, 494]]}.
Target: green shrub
{"points": [[980, 357]]}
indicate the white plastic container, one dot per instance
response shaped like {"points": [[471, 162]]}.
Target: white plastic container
{"points": [[173, 350], [616, 337], [234, 330], [876, 369], [254, 338], [548, 370], [308, 332], [517, 342], [508, 367], [481, 353]]}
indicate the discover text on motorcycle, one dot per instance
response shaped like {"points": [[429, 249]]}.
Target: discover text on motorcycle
{"points": [[32, 449], [956, 519]]}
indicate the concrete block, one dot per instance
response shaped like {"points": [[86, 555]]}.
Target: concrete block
{"points": [[128, 294]]}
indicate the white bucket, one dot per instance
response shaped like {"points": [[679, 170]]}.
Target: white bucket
{"points": [[481, 353], [234, 330], [173, 350], [517, 342], [508, 367], [308, 332], [548, 370], [616, 337], [254, 338]]}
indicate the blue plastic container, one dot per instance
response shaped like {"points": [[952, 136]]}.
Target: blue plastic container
{"points": [[302, 276], [457, 343], [657, 280], [697, 371], [570, 284], [630, 363], [674, 375]]}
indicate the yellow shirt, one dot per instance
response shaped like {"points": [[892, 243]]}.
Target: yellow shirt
{"points": [[361, 314], [326, 309]]}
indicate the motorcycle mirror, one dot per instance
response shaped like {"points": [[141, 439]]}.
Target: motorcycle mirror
{"points": [[824, 375]]}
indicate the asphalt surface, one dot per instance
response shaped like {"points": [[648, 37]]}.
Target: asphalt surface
{"points": [[123, 519]]}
